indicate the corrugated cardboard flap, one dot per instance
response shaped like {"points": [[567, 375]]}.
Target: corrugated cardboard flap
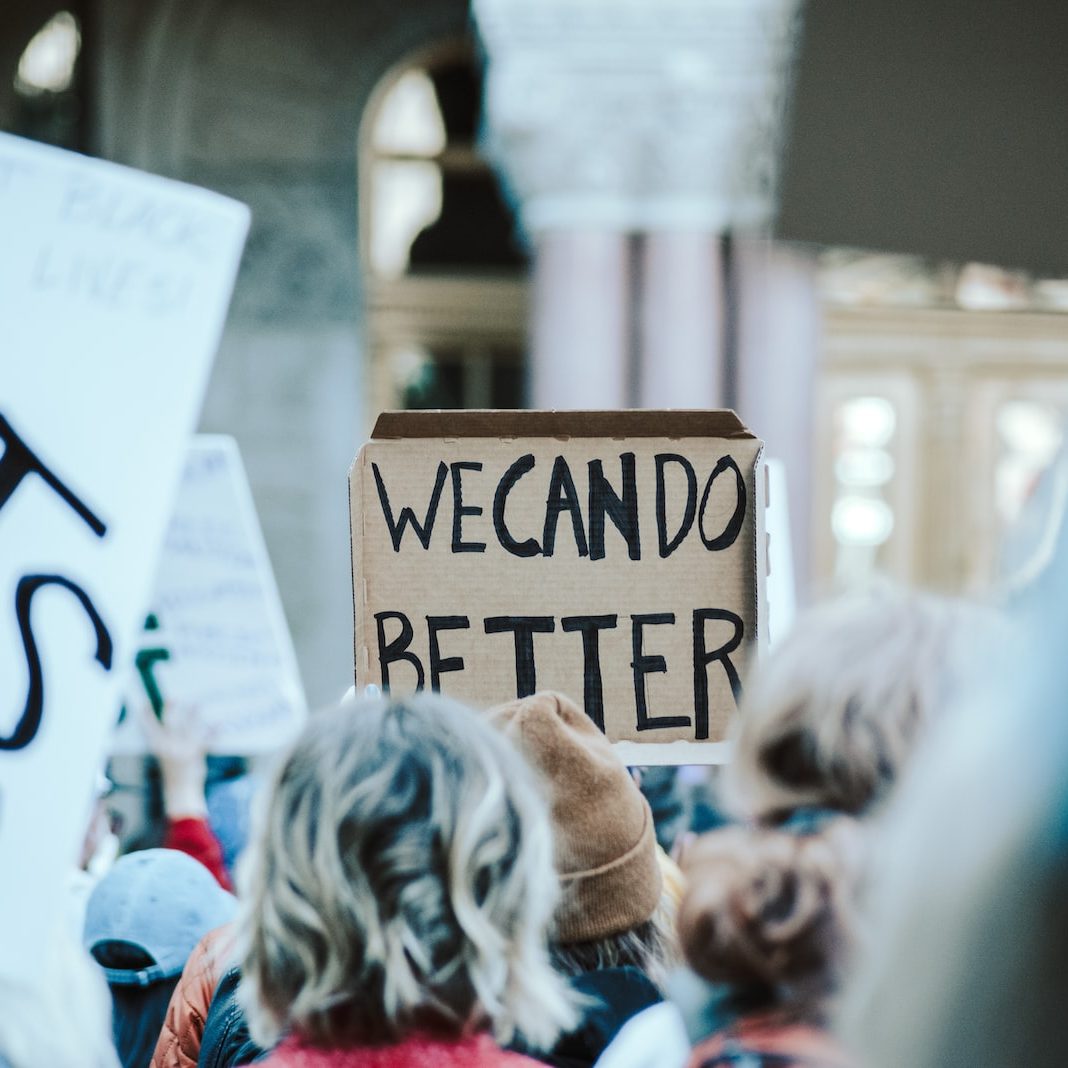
{"points": [[633, 423]]}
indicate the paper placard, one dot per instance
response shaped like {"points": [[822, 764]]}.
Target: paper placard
{"points": [[114, 287], [216, 636], [615, 556], [782, 591]]}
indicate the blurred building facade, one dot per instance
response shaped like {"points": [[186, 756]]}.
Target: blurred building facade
{"points": [[563, 206]]}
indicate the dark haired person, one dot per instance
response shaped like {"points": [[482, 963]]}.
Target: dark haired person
{"points": [[612, 932], [768, 923]]}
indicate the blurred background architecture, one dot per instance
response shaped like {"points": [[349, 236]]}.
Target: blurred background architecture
{"points": [[570, 203]]}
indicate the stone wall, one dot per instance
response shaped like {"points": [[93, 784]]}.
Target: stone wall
{"points": [[262, 100]]}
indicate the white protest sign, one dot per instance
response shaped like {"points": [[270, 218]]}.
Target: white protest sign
{"points": [[782, 592], [216, 637], [114, 287]]}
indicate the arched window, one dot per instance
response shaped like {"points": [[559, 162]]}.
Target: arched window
{"points": [[49, 102], [445, 271]]}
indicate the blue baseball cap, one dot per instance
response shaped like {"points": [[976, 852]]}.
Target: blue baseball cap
{"points": [[159, 902]]}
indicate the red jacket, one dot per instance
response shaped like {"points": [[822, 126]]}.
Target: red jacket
{"points": [[479, 1051], [194, 836], [787, 1043]]}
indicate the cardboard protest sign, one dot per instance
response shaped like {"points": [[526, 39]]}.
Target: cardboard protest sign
{"points": [[113, 291], [615, 556], [216, 636]]}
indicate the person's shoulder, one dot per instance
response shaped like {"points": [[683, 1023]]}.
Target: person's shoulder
{"points": [[416, 1052], [625, 990], [653, 1038], [786, 1042], [493, 1056], [507, 1059]]}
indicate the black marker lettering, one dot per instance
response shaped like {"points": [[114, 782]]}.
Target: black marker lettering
{"points": [[623, 511], [645, 664], [524, 628], [527, 548], [423, 531], [30, 721], [734, 524], [439, 665], [668, 545], [19, 460], [459, 510], [590, 627], [702, 658], [562, 497], [391, 652]]}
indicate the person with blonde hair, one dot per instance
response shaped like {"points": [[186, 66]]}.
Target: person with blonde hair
{"points": [[769, 922], [832, 715], [397, 897]]}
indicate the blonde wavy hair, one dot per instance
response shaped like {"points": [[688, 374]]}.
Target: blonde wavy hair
{"points": [[401, 880], [774, 911], [833, 714]]}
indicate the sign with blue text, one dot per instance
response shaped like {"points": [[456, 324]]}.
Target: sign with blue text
{"points": [[618, 557], [215, 637], [114, 287]]}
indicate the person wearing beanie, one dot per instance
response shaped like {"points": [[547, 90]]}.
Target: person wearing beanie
{"points": [[609, 936]]}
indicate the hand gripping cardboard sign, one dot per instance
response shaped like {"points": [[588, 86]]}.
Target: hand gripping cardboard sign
{"points": [[618, 557]]}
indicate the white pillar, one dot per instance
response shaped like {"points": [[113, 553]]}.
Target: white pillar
{"points": [[651, 117], [778, 348], [681, 320], [580, 323]]}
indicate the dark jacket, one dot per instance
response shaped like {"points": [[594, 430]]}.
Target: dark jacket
{"points": [[226, 1040], [137, 1014], [614, 995]]}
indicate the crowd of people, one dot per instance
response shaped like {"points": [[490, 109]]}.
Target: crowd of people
{"points": [[427, 886]]}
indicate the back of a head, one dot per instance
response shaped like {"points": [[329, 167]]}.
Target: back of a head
{"points": [[605, 847], [142, 921], [401, 881], [770, 913], [832, 715], [145, 916]]}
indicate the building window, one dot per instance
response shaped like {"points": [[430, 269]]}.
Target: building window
{"points": [[47, 104], [446, 272], [862, 515]]}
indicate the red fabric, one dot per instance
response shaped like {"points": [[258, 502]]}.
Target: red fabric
{"points": [[194, 836], [809, 1046], [479, 1051]]}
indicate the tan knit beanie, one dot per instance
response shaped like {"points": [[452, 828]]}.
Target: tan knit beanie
{"points": [[605, 847]]}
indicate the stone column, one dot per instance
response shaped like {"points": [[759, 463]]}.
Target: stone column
{"points": [[656, 118], [580, 327], [682, 320], [778, 341], [649, 117]]}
